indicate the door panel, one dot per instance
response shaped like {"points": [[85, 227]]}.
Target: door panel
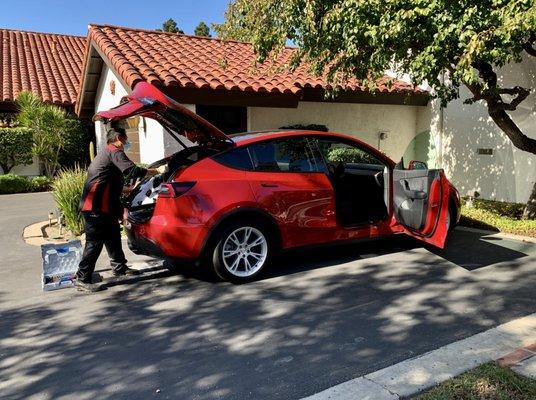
{"points": [[420, 200], [302, 203]]}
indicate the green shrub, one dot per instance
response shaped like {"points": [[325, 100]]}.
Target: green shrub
{"points": [[41, 183], [15, 147], [11, 183], [497, 216], [68, 187], [75, 149], [512, 210], [350, 155]]}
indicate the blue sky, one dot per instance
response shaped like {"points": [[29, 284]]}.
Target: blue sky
{"points": [[72, 17]]}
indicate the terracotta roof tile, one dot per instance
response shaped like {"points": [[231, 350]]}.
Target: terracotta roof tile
{"points": [[46, 64], [168, 59]]}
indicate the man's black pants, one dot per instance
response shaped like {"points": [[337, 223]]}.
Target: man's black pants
{"points": [[101, 230]]}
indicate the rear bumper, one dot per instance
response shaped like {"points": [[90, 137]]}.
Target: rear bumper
{"points": [[141, 245], [162, 238]]}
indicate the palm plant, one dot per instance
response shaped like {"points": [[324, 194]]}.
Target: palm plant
{"points": [[48, 123]]}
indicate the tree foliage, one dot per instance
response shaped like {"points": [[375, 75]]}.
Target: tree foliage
{"points": [[15, 148], [76, 144], [234, 28], [52, 130], [170, 25], [202, 29], [468, 40]]}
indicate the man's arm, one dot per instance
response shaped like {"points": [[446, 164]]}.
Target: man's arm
{"points": [[130, 170]]}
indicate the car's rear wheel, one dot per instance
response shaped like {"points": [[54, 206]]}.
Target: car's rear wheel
{"points": [[242, 252]]}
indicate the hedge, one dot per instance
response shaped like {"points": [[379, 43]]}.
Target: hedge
{"points": [[11, 183]]}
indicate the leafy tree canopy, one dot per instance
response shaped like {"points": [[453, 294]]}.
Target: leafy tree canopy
{"points": [[170, 25], [202, 29]]}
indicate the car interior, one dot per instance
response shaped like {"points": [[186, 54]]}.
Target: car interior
{"points": [[358, 181]]}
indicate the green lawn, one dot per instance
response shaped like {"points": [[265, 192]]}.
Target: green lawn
{"points": [[497, 216], [487, 382]]}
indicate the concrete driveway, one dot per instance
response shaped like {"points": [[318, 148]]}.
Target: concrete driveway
{"points": [[322, 317]]}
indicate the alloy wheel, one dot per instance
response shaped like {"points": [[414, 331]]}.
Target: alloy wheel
{"points": [[244, 251]]}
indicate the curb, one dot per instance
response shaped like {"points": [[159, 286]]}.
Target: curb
{"points": [[502, 235], [34, 235], [509, 342], [26, 193]]}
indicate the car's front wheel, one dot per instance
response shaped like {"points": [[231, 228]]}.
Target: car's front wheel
{"points": [[242, 252]]}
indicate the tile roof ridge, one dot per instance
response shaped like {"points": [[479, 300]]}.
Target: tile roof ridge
{"points": [[126, 28], [42, 33]]}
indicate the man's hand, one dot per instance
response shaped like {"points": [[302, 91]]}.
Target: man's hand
{"points": [[130, 186], [155, 171]]}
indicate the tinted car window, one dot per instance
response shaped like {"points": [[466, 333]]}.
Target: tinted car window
{"points": [[235, 158], [283, 155]]}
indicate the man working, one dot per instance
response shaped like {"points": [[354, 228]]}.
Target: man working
{"points": [[102, 209]]}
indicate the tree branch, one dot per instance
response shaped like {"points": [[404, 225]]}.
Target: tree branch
{"points": [[497, 107], [509, 127], [492, 94], [518, 91]]}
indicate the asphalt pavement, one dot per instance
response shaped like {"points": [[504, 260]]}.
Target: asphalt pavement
{"points": [[321, 317]]}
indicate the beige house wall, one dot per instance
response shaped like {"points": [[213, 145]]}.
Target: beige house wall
{"points": [[363, 121]]}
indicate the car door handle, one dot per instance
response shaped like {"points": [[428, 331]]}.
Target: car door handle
{"points": [[272, 185], [413, 194]]}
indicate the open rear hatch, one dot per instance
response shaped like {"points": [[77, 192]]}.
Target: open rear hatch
{"points": [[198, 137], [185, 126]]}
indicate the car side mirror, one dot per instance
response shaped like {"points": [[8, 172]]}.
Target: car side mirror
{"points": [[414, 164]]}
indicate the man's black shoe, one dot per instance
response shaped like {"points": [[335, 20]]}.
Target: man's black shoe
{"points": [[126, 272], [87, 286]]}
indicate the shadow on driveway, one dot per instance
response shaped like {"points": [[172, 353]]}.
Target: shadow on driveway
{"points": [[325, 317]]}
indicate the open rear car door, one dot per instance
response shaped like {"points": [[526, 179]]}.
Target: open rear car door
{"points": [[421, 203]]}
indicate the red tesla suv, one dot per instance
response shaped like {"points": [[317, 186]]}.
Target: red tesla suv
{"points": [[233, 201]]}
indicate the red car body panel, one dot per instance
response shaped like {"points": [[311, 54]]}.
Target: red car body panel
{"points": [[302, 205], [180, 225]]}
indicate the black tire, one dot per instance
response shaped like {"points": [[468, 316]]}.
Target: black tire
{"points": [[222, 266]]}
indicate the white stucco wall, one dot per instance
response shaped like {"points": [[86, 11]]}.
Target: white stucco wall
{"points": [[104, 100], [155, 143], [151, 141], [363, 121], [25, 170], [508, 174]]}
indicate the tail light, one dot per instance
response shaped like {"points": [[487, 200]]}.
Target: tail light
{"points": [[174, 189]]}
